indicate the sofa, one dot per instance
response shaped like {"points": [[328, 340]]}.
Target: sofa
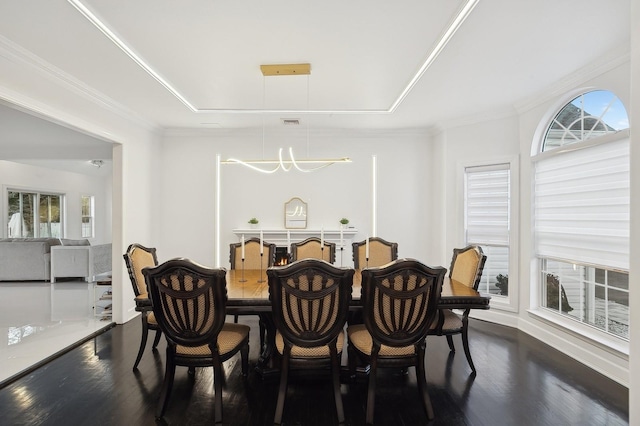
{"points": [[26, 259], [46, 259]]}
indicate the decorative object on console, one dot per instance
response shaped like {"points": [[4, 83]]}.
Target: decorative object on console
{"points": [[253, 222], [295, 214]]}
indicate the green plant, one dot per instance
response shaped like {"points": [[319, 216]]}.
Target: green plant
{"points": [[555, 290], [502, 282], [253, 221], [344, 221]]}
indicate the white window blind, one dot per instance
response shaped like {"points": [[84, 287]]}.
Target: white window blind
{"points": [[487, 205], [582, 205]]}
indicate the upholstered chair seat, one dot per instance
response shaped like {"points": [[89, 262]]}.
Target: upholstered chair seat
{"points": [[230, 337], [361, 339], [310, 352]]}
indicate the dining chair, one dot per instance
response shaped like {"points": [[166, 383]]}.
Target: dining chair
{"points": [[311, 249], [381, 252], [138, 257], [189, 301], [399, 302], [467, 265], [310, 300], [252, 260]]}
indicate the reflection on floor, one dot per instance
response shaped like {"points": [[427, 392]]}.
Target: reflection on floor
{"points": [[39, 319]]}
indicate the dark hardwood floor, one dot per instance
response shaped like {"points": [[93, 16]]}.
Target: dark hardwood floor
{"points": [[520, 381]]}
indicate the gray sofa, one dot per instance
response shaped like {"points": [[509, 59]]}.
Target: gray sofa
{"points": [[45, 259], [26, 259]]}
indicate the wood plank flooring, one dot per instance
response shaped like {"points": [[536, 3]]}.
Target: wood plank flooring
{"points": [[520, 382]]}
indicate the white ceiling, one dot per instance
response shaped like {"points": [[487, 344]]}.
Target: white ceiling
{"points": [[363, 54]]}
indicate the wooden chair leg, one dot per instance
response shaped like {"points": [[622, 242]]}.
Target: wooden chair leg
{"points": [[371, 392], [422, 382], [156, 339], [244, 356], [167, 385], [335, 370], [465, 345], [217, 389], [351, 361], [143, 340], [450, 342], [263, 332], [282, 391]]}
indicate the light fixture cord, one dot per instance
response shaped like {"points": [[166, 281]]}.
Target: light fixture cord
{"points": [[308, 116], [264, 89]]}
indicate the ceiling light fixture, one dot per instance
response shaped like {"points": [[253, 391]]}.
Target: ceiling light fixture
{"points": [[287, 165], [291, 163]]}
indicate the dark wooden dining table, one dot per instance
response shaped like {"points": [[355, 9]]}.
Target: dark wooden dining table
{"points": [[248, 294], [252, 294]]}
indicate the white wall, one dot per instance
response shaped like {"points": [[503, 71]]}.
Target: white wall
{"points": [[72, 185], [187, 203], [495, 139]]}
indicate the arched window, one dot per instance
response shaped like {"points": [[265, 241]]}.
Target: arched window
{"points": [[581, 210], [589, 116]]}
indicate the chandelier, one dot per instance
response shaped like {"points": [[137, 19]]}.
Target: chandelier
{"points": [[291, 163]]}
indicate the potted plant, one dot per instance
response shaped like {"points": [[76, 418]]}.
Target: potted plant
{"points": [[344, 221], [253, 222]]}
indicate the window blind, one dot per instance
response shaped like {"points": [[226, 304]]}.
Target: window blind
{"points": [[582, 205], [487, 204]]}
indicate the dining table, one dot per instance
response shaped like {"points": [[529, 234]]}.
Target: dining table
{"points": [[248, 294]]}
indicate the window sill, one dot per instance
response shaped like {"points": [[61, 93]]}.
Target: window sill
{"points": [[586, 333]]}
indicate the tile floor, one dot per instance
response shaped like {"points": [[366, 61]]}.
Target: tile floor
{"points": [[39, 319]]}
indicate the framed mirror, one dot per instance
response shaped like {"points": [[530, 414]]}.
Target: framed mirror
{"points": [[295, 214]]}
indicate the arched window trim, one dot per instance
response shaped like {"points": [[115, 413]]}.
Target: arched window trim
{"points": [[541, 134]]}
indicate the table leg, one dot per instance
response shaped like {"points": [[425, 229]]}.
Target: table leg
{"points": [[268, 365]]}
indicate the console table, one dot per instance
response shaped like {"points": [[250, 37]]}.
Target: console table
{"points": [[282, 238]]}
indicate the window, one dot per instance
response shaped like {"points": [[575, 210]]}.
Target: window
{"points": [[34, 214], [582, 213], [487, 201], [88, 212]]}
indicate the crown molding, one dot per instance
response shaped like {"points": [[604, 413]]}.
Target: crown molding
{"points": [[365, 134], [497, 114], [616, 58], [18, 54]]}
